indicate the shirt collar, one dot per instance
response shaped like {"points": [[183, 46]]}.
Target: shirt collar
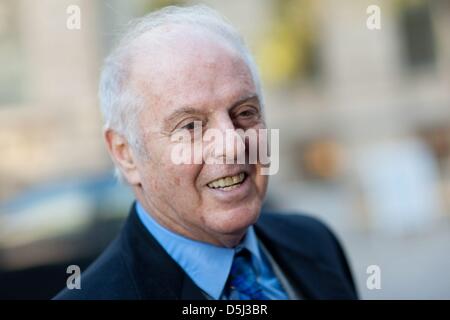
{"points": [[206, 264]]}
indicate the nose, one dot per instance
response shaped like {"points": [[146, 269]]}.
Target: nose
{"points": [[223, 145]]}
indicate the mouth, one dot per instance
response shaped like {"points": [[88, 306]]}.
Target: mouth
{"points": [[229, 182]]}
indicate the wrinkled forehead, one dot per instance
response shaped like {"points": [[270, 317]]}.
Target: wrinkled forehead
{"points": [[187, 65]]}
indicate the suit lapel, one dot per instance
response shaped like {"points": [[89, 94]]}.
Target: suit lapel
{"points": [[313, 279], [155, 274], [190, 291]]}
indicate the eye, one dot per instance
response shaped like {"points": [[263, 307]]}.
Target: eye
{"points": [[189, 126], [247, 113]]}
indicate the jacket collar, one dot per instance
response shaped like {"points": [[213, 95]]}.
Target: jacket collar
{"points": [[151, 267], [299, 262]]}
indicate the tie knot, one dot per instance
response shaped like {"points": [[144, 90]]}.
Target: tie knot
{"points": [[242, 279], [242, 261]]}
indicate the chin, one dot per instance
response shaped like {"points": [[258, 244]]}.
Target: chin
{"points": [[234, 221]]}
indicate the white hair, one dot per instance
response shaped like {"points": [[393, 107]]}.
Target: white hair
{"points": [[120, 103]]}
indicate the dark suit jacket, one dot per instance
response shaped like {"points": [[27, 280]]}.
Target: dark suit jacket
{"points": [[135, 266]]}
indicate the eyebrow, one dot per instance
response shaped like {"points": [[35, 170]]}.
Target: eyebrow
{"points": [[182, 111], [188, 110], [244, 100]]}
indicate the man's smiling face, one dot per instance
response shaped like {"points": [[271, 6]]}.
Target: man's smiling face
{"points": [[197, 77]]}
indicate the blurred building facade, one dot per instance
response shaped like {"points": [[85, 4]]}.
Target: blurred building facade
{"points": [[373, 94], [49, 122]]}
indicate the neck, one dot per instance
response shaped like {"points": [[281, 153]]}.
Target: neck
{"points": [[191, 232]]}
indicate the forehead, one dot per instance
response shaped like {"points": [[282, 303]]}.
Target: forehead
{"points": [[189, 67]]}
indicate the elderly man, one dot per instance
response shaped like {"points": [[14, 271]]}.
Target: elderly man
{"points": [[195, 230]]}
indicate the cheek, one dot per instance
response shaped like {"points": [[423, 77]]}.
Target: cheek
{"points": [[173, 184], [181, 176], [179, 181], [261, 182]]}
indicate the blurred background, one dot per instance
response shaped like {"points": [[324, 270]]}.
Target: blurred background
{"points": [[364, 119]]}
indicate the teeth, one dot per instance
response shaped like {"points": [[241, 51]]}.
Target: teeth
{"points": [[227, 181]]}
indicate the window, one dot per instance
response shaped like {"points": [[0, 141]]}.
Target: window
{"points": [[418, 37]]}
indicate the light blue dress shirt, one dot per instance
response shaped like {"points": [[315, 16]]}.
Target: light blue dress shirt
{"points": [[209, 265]]}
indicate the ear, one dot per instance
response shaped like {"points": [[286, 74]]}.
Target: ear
{"points": [[122, 155]]}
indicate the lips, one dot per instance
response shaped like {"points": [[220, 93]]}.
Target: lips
{"points": [[228, 182]]}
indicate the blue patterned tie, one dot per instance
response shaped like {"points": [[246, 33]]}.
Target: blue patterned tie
{"points": [[242, 282]]}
